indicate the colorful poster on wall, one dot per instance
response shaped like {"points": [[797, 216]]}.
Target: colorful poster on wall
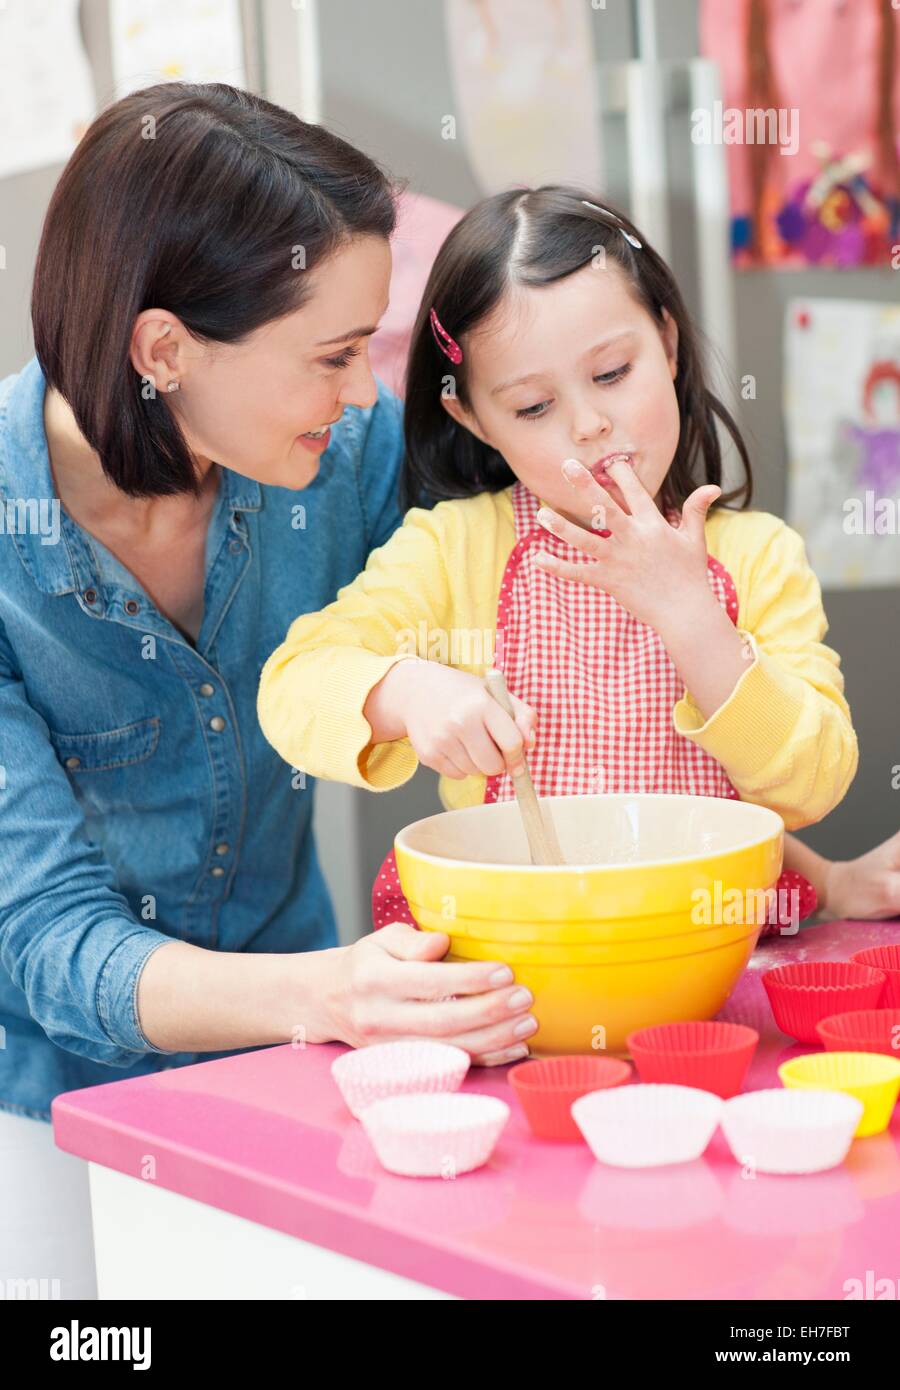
{"points": [[842, 412], [525, 91], [810, 120]]}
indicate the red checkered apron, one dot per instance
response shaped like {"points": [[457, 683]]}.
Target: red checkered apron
{"points": [[603, 687]]}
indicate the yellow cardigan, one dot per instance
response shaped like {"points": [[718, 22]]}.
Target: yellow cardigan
{"points": [[784, 735]]}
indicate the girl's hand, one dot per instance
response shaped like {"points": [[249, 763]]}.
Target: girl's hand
{"points": [[451, 720], [868, 886], [393, 984], [653, 569]]}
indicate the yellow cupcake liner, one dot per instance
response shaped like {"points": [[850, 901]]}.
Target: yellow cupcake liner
{"points": [[872, 1077]]}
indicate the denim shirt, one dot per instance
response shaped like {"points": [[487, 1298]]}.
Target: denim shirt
{"points": [[139, 800]]}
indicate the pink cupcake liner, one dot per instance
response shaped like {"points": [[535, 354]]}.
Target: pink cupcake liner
{"points": [[408, 1066], [434, 1136], [886, 958], [864, 1030], [802, 995], [647, 1126], [547, 1086], [711, 1056]]}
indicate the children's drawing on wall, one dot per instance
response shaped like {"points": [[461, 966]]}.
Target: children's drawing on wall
{"points": [[183, 40], [842, 408], [525, 91], [46, 89], [813, 157]]}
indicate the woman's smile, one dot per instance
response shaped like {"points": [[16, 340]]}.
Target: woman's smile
{"points": [[317, 444]]}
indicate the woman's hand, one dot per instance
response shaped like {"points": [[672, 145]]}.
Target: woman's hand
{"points": [[868, 886], [452, 721], [393, 984], [653, 569]]}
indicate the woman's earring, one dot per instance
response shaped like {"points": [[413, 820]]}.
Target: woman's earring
{"points": [[173, 386]]}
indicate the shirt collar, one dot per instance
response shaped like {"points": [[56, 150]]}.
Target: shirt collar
{"points": [[242, 494], [25, 475]]}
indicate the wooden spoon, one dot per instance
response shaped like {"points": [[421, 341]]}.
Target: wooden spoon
{"points": [[542, 842]]}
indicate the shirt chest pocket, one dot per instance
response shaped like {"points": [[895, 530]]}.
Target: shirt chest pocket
{"points": [[108, 770]]}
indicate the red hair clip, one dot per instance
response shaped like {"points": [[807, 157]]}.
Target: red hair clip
{"points": [[446, 344]]}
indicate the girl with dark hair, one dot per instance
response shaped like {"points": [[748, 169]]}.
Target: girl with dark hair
{"points": [[656, 634]]}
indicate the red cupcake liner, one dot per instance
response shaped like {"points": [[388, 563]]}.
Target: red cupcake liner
{"points": [[886, 958], [713, 1056], [864, 1030], [546, 1087], [802, 995]]}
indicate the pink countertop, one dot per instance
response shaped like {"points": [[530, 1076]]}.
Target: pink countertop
{"points": [[266, 1135]]}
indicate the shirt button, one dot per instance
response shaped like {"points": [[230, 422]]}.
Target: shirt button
{"points": [[235, 546], [132, 606], [73, 762], [217, 723], [218, 871], [90, 595], [207, 689], [223, 848]]}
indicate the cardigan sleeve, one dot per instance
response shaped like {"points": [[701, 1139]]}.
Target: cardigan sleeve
{"points": [[314, 686], [784, 734]]}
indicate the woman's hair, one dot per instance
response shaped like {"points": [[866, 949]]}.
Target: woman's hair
{"points": [[533, 237], [200, 199]]}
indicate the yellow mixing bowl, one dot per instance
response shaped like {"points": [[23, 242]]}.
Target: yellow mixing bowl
{"points": [[652, 918]]}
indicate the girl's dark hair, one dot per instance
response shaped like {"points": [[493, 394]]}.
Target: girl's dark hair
{"points": [[200, 199], [534, 237]]}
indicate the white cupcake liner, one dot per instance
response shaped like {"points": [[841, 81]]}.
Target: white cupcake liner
{"points": [[791, 1131], [408, 1066], [647, 1125], [434, 1136]]}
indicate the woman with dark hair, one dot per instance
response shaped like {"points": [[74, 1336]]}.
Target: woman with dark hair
{"points": [[201, 427]]}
